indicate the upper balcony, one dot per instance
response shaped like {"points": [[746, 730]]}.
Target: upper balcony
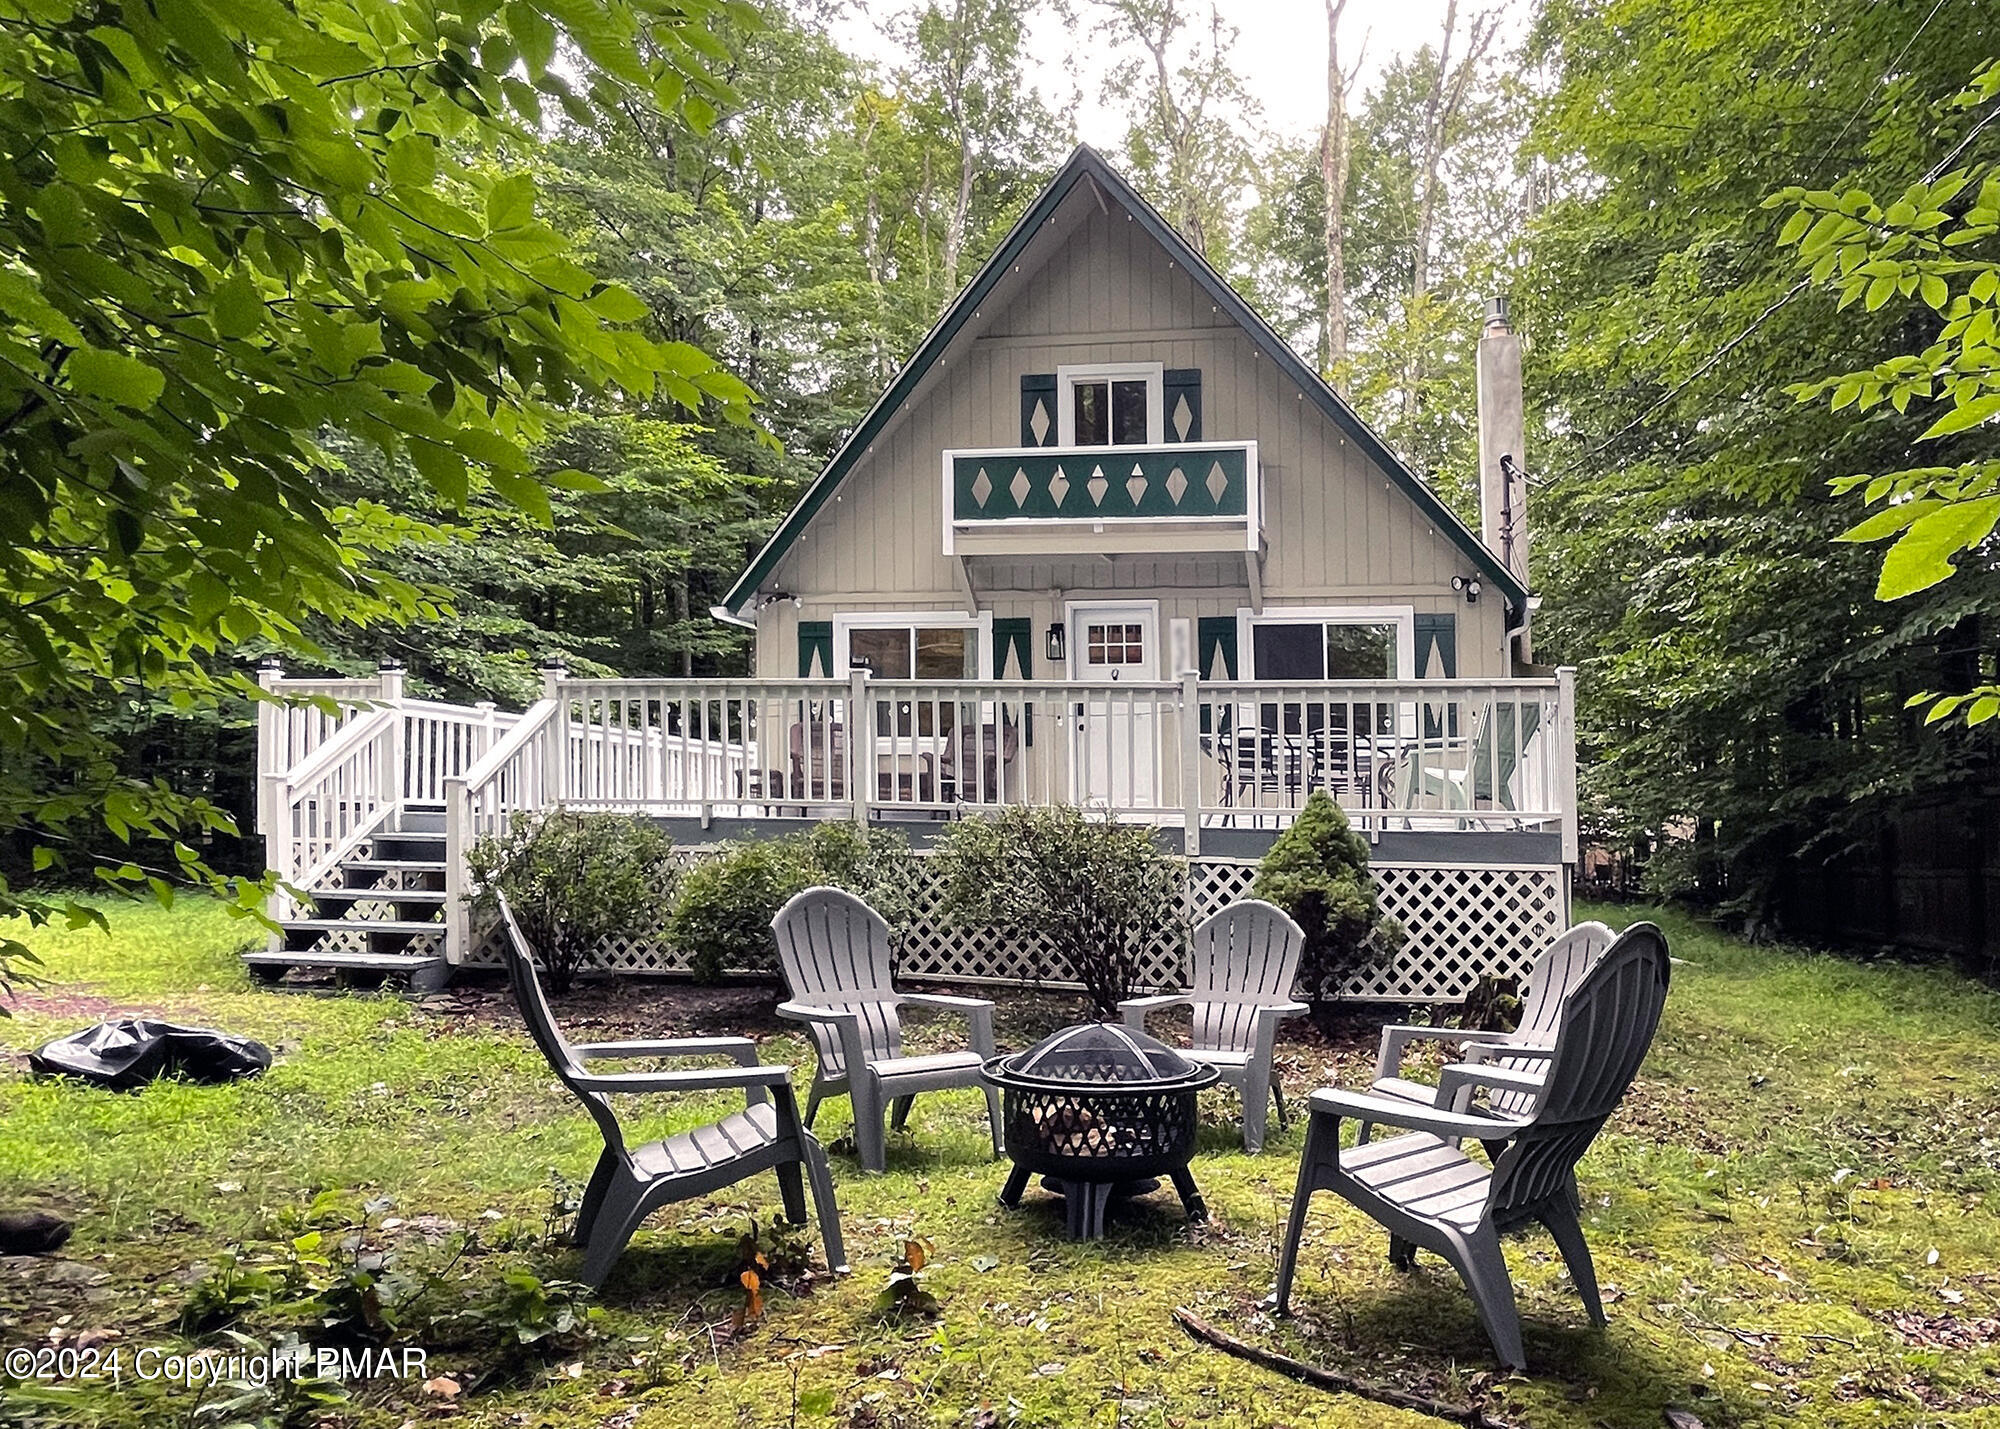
{"points": [[1169, 498]]}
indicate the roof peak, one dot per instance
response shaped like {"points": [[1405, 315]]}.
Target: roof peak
{"points": [[1085, 161]]}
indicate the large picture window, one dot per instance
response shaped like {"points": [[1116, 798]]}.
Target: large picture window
{"points": [[1324, 650], [914, 646], [1327, 643], [1110, 405], [916, 652], [1330, 643]]}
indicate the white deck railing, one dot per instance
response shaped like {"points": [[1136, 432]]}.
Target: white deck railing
{"points": [[1439, 756]]}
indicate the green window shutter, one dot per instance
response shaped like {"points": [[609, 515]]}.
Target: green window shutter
{"points": [[1038, 409], [1437, 633], [1013, 648], [815, 648], [1215, 652], [1216, 635], [1180, 389]]}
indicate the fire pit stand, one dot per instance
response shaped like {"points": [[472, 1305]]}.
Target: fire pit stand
{"points": [[1101, 1112]]}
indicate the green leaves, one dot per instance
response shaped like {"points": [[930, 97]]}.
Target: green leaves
{"points": [[239, 306], [114, 377], [237, 236], [1916, 246], [510, 203], [1923, 555]]}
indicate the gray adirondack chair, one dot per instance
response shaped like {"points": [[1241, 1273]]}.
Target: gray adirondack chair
{"points": [[631, 1182], [834, 950], [1431, 1195], [1555, 976], [1244, 960]]}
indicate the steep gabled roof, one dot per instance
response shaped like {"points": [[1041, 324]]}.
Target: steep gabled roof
{"points": [[1086, 162]]}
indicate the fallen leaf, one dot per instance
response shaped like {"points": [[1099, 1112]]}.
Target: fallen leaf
{"points": [[1681, 1419], [984, 1263], [441, 1388]]}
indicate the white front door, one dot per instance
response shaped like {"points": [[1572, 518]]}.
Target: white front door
{"points": [[1113, 755]]}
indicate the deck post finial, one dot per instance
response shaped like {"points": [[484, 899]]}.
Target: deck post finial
{"points": [[554, 672]]}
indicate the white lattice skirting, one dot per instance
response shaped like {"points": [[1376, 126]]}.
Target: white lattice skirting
{"points": [[1462, 921]]}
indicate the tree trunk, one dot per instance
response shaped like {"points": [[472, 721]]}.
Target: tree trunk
{"points": [[1448, 88], [954, 234], [1179, 135], [871, 254], [1333, 160], [683, 618]]}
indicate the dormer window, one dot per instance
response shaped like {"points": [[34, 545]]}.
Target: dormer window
{"points": [[1115, 404]]}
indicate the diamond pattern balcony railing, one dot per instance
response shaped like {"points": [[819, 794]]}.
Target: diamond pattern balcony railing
{"points": [[1213, 481]]}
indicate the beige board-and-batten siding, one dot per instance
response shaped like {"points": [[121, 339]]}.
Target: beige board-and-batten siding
{"points": [[1094, 287], [1463, 921]]}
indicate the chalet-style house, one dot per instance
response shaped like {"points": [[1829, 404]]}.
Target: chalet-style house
{"points": [[1105, 540]]}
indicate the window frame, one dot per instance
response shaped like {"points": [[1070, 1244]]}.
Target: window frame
{"points": [[1402, 617], [1067, 378]]}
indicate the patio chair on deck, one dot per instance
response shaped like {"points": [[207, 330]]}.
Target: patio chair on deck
{"points": [[817, 762], [1431, 1195], [970, 770], [1244, 961], [632, 1182], [834, 949], [1557, 973]]}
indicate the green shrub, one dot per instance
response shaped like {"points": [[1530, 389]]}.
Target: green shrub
{"points": [[1317, 871], [723, 916], [575, 879], [1090, 891]]}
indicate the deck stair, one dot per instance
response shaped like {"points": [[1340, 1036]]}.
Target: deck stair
{"points": [[378, 917]]}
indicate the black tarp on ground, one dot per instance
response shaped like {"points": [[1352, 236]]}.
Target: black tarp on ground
{"points": [[129, 1054]]}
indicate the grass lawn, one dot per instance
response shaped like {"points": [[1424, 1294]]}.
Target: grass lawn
{"points": [[1792, 1216]]}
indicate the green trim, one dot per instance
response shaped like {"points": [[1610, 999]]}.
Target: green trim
{"points": [[1087, 163], [1085, 486], [1015, 633], [815, 638]]}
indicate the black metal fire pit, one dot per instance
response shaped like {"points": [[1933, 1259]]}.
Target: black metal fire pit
{"points": [[1099, 1111]]}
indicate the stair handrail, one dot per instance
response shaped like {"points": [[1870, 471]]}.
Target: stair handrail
{"points": [[332, 800], [521, 773]]}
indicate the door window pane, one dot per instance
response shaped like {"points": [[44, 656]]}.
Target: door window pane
{"points": [[1360, 652], [1092, 410], [1114, 644], [1128, 413]]}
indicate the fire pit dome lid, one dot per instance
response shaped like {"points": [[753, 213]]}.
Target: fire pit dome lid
{"points": [[1101, 1053]]}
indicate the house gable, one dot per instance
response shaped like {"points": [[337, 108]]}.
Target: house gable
{"points": [[1061, 270]]}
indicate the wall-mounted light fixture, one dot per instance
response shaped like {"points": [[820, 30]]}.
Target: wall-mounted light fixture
{"points": [[1467, 586], [1056, 643]]}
